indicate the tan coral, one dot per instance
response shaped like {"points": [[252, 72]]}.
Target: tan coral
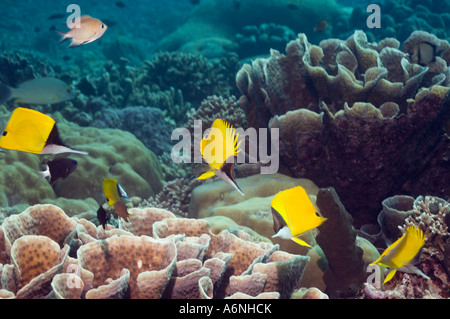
{"points": [[38, 259], [283, 272], [142, 219], [150, 262], [251, 285], [44, 220], [113, 289], [189, 227], [67, 286]]}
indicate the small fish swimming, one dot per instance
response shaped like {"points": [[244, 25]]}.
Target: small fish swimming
{"points": [[116, 197], [46, 90], [33, 132], [56, 16], [219, 149], [120, 4], [90, 29], [293, 214], [103, 216], [59, 168], [321, 26], [403, 254]]}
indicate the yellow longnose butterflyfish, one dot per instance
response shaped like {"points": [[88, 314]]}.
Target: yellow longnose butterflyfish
{"points": [[293, 214], [115, 197], [219, 149], [403, 254], [33, 132]]}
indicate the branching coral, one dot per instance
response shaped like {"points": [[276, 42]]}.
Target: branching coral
{"points": [[429, 215]]}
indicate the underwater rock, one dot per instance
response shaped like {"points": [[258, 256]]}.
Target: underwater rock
{"points": [[346, 269], [333, 128]]}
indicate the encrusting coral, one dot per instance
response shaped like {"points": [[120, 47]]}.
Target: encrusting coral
{"points": [[362, 117], [167, 257]]}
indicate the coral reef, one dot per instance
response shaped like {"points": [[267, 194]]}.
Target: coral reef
{"points": [[212, 25], [400, 18], [252, 210], [429, 214], [171, 81], [111, 153], [351, 115], [154, 255], [256, 40], [346, 269]]}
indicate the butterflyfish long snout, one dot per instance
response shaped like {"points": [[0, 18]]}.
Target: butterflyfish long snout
{"points": [[33, 132], [293, 214], [116, 197], [403, 254], [218, 150]]}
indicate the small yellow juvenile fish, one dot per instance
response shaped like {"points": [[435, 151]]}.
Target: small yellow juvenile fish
{"points": [[293, 214], [219, 149], [403, 254], [90, 29], [114, 194], [33, 132]]}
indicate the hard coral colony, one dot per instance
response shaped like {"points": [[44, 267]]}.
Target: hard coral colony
{"points": [[360, 206]]}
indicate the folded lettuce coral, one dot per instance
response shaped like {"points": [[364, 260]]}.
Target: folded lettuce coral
{"points": [[170, 258]]}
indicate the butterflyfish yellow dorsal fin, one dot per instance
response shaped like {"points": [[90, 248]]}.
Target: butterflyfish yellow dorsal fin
{"points": [[220, 144], [403, 250]]}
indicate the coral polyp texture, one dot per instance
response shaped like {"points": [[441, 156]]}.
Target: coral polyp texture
{"points": [[170, 258], [367, 118]]}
